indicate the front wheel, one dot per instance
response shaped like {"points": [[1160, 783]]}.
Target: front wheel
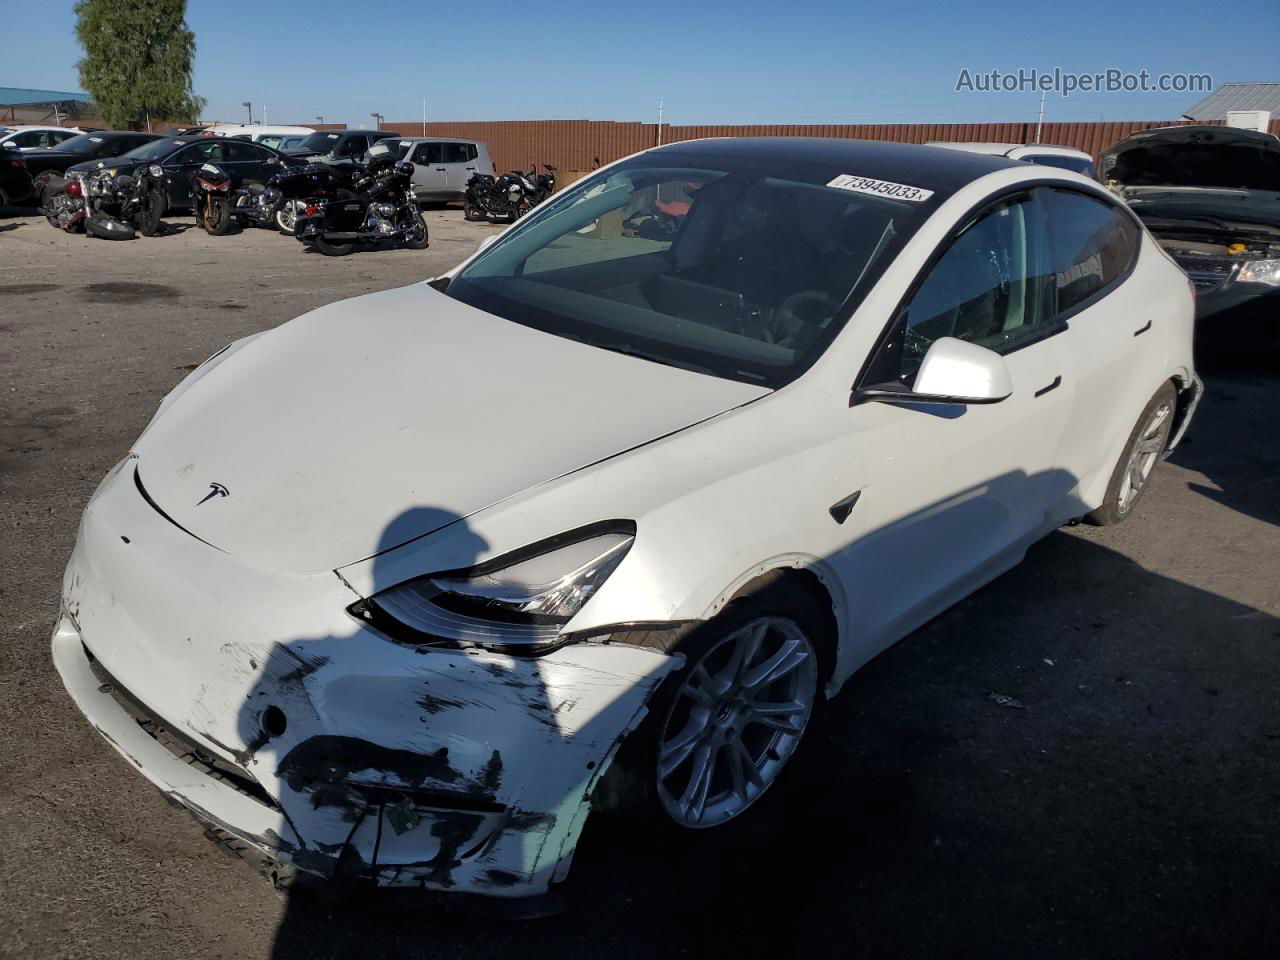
{"points": [[148, 219], [217, 217], [722, 728], [415, 236], [471, 212], [286, 216], [1147, 442]]}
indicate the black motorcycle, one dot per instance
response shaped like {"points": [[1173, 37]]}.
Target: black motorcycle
{"points": [[119, 207], [380, 207], [212, 198], [544, 182], [508, 197], [277, 202]]}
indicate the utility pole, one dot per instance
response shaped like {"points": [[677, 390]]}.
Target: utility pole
{"points": [[424, 117], [264, 114], [377, 120], [659, 121], [1040, 119], [319, 119], [248, 105]]}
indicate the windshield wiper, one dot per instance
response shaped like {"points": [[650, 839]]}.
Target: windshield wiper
{"points": [[630, 351]]}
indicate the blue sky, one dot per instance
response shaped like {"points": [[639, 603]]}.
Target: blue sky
{"points": [[714, 62]]}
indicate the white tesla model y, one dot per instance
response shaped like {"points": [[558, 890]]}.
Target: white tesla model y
{"points": [[384, 592]]}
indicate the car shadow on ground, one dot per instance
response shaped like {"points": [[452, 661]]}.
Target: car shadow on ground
{"points": [[1075, 761], [1236, 444]]}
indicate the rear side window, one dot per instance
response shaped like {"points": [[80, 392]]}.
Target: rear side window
{"points": [[240, 151], [992, 287], [456, 153], [1093, 245]]}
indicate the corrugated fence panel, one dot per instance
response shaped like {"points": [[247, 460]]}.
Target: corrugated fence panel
{"points": [[585, 144]]}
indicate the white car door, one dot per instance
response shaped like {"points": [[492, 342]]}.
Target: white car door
{"points": [[1118, 357], [954, 493], [429, 171]]}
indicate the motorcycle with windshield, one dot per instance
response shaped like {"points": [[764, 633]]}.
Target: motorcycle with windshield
{"points": [[212, 198], [380, 207]]}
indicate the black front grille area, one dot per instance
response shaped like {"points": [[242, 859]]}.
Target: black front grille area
{"points": [[182, 747], [1208, 273]]}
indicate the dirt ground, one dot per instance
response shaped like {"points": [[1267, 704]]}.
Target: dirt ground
{"points": [[1130, 810]]}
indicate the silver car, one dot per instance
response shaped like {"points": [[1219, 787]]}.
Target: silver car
{"points": [[442, 165]]}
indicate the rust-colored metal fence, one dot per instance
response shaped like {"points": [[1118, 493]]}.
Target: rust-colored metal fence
{"points": [[582, 144]]}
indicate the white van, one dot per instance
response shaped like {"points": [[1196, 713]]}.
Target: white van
{"points": [[277, 138]]}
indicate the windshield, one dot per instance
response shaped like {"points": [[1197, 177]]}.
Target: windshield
{"points": [[85, 143], [743, 272], [319, 142], [155, 149]]}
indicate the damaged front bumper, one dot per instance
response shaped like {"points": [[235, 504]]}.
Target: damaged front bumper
{"points": [[257, 703]]}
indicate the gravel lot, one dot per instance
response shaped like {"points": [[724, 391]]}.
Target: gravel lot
{"points": [[1130, 810]]}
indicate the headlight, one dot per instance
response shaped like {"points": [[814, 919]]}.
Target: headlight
{"points": [[1260, 271], [156, 170], [521, 599]]}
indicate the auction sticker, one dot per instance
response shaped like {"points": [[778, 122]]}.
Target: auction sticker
{"points": [[880, 188]]}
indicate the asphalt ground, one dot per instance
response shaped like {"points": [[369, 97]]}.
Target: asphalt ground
{"points": [[1125, 806]]}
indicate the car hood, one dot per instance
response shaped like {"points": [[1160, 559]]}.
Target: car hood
{"points": [[1194, 156], [1206, 209], [373, 421], [115, 163]]}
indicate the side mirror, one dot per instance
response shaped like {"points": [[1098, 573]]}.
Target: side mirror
{"points": [[953, 371]]}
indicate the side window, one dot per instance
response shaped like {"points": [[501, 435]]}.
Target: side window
{"points": [[192, 154], [30, 138], [455, 153], [59, 136], [1093, 245], [429, 153], [992, 287], [273, 142], [354, 146], [238, 151], [472, 152]]}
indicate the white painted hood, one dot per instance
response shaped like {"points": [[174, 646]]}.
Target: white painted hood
{"points": [[372, 421]]}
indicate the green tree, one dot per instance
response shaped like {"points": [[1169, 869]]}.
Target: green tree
{"points": [[137, 61]]}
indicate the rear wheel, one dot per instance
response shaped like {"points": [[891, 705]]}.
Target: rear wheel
{"points": [[1146, 443], [333, 249]]}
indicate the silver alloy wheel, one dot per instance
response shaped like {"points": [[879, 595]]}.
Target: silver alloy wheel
{"points": [[287, 214], [735, 721], [1143, 455]]}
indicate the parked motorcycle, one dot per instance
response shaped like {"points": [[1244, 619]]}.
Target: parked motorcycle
{"points": [[277, 202], [509, 196], [115, 207], [381, 207], [211, 198]]}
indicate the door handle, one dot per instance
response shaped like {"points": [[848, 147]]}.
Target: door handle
{"points": [[441, 169], [1057, 382], [1141, 330]]}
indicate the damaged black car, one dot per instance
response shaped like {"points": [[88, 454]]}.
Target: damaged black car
{"points": [[1211, 197]]}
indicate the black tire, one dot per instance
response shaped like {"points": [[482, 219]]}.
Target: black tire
{"points": [[471, 212], [1121, 498], [217, 216], [333, 249], [631, 787], [148, 220], [423, 239]]}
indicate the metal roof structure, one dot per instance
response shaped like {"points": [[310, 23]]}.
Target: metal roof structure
{"points": [[22, 97], [1236, 96]]}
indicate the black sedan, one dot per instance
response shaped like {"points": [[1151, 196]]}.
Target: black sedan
{"points": [[87, 146], [15, 181], [181, 156]]}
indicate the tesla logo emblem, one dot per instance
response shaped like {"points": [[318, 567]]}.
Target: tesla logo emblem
{"points": [[215, 490]]}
